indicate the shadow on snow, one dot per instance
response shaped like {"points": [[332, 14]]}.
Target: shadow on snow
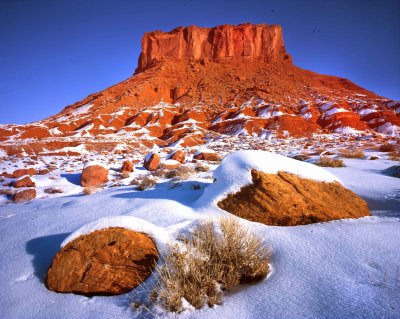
{"points": [[43, 250]]}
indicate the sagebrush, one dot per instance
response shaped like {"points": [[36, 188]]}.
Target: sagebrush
{"points": [[325, 161], [144, 182], [387, 147], [352, 153], [213, 258]]}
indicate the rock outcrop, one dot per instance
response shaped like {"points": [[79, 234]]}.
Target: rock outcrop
{"points": [[106, 262], [251, 41], [193, 82], [285, 199]]}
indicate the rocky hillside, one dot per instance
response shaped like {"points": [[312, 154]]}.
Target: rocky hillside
{"points": [[193, 84]]}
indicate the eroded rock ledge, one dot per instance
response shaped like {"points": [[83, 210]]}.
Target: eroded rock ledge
{"points": [[285, 199]]}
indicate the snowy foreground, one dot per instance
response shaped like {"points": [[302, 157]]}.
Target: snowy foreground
{"points": [[339, 269]]}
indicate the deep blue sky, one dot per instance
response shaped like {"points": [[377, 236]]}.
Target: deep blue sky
{"points": [[54, 53]]}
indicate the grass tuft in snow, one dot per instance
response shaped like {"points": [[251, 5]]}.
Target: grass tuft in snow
{"points": [[394, 156], [89, 190], [387, 147], [208, 261], [326, 161], [144, 182], [352, 153], [200, 167], [180, 173]]}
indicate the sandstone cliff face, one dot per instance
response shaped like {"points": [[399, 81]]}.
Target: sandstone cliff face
{"points": [[260, 41], [192, 82]]}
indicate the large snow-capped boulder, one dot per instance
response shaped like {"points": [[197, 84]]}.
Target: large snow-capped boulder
{"points": [[105, 262], [94, 175], [277, 190]]}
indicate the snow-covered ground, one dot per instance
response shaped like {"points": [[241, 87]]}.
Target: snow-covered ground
{"points": [[339, 269]]}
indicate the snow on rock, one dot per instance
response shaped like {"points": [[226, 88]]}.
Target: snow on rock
{"points": [[170, 164], [234, 172], [204, 150], [346, 130], [389, 129], [94, 163], [81, 109], [158, 234]]}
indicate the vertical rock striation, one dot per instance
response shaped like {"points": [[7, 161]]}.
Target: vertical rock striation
{"points": [[244, 41]]}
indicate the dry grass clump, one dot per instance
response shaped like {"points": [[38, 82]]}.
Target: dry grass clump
{"points": [[180, 173], [352, 153], [7, 191], [125, 174], [53, 190], [200, 167], [209, 261], [144, 182], [318, 151], [89, 190], [387, 147], [160, 172], [302, 157], [325, 161], [394, 156]]}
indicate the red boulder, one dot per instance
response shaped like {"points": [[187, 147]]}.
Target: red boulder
{"points": [[151, 161], [127, 166], [94, 175], [24, 171], [24, 182], [25, 195], [177, 155]]}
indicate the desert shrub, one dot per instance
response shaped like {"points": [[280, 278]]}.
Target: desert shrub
{"points": [[135, 181], [387, 147], [146, 182], [180, 173], [208, 261], [89, 190], [53, 190], [319, 150], [394, 156], [125, 174], [200, 167], [302, 157], [7, 191], [352, 153], [160, 172], [325, 161]]}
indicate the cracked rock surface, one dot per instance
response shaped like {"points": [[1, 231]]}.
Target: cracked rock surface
{"points": [[285, 199], [106, 262]]}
